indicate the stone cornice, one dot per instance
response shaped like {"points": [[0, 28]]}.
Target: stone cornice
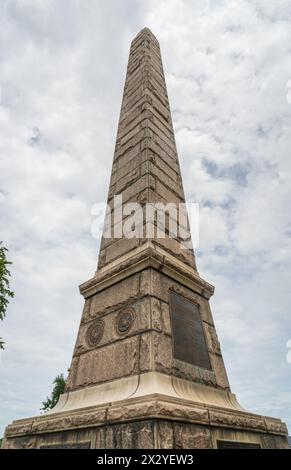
{"points": [[154, 407], [146, 256]]}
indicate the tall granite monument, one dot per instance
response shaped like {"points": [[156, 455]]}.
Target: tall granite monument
{"points": [[147, 369]]}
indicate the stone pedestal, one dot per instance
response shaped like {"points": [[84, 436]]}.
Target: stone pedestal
{"points": [[154, 421], [129, 390]]}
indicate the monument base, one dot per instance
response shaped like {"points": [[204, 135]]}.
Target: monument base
{"points": [[180, 415]]}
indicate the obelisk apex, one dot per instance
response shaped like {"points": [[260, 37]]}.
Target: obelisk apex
{"points": [[145, 165]]}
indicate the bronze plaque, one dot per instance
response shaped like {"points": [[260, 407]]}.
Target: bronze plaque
{"points": [[237, 445], [189, 341]]}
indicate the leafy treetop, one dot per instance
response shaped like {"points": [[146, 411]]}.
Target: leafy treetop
{"points": [[59, 388], [5, 292]]}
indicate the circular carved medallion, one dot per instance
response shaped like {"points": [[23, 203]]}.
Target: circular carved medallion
{"points": [[95, 333], [125, 321]]}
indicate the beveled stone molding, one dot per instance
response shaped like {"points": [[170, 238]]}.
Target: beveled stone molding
{"points": [[198, 374], [146, 256], [141, 387], [155, 406], [235, 420], [275, 426]]}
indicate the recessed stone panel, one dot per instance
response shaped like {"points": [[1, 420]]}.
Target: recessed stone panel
{"points": [[122, 292], [110, 362]]}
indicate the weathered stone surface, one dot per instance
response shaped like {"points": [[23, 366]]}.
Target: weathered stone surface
{"points": [[124, 156], [235, 435], [145, 352], [174, 248], [147, 316], [138, 435], [189, 372], [135, 170], [25, 442], [165, 434], [72, 375], [182, 412], [274, 442], [240, 420], [162, 176], [145, 123], [191, 437], [163, 357], [121, 168], [212, 339], [115, 296], [161, 285], [166, 320], [173, 424], [145, 282], [156, 314], [67, 421], [128, 180], [164, 166], [276, 426], [80, 438], [167, 155], [133, 411], [110, 362], [21, 428], [119, 248], [219, 370]]}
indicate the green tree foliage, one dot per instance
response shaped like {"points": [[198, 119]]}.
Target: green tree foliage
{"points": [[5, 292], [59, 388]]}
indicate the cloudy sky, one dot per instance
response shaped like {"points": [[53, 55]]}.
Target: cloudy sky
{"points": [[62, 69]]}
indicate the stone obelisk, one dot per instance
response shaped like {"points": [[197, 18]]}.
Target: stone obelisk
{"points": [[147, 369]]}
